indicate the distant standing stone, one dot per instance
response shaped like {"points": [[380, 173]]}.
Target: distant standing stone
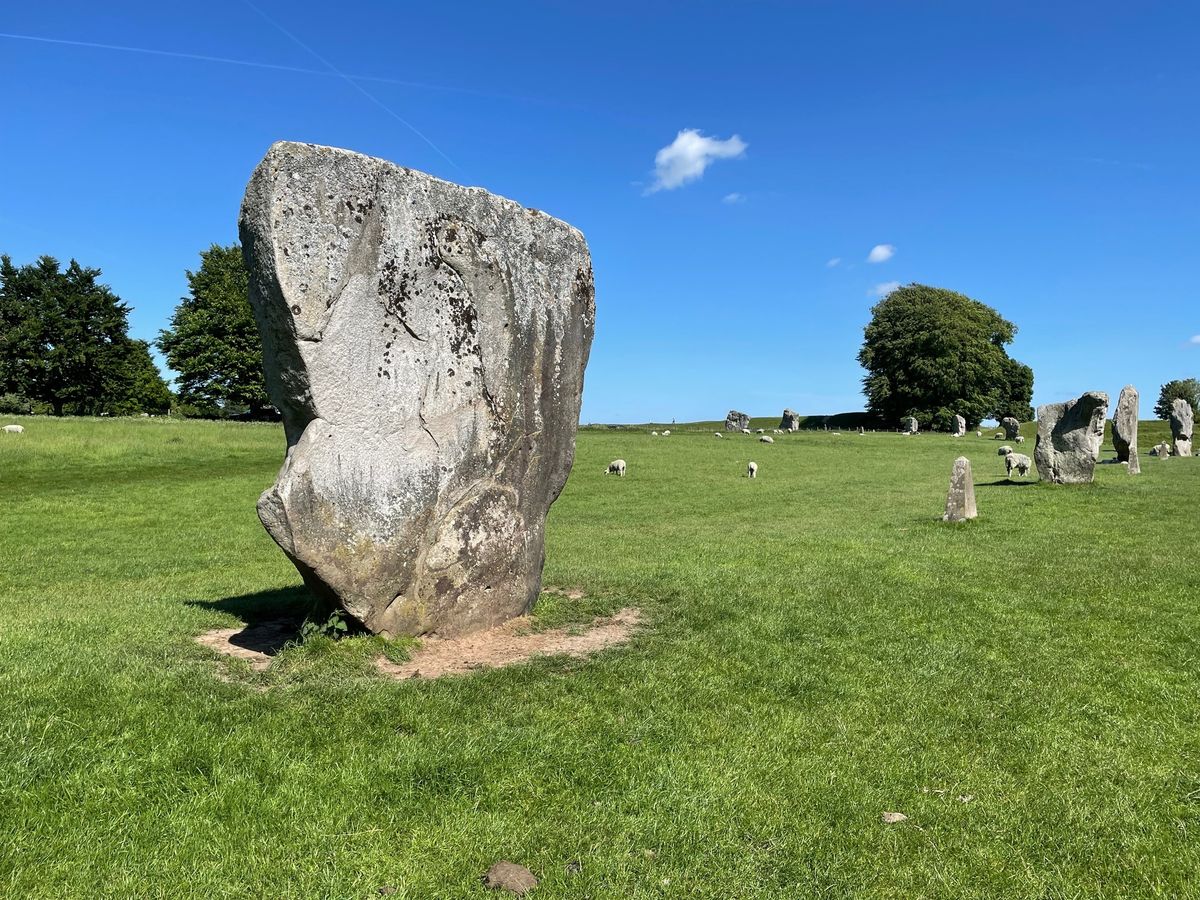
{"points": [[909, 425], [1125, 423], [507, 876], [737, 421], [960, 426], [1161, 450], [790, 421], [960, 502], [1068, 438], [1182, 420], [1011, 428]]}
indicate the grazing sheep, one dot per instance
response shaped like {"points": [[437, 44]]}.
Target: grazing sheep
{"points": [[752, 470], [766, 439], [998, 436], [761, 431], [718, 434], [1018, 461], [1020, 439], [1004, 450], [14, 429], [667, 433], [979, 434], [1162, 450], [745, 431], [654, 434], [616, 467]]}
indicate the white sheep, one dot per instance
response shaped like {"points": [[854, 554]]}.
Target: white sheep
{"points": [[1018, 461], [979, 434], [1020, 439], [766, 439], [1004, 450], [745, 431], [667, 433], [14, 429], [616, 467], [752, 470], [654, 434], [761, 431], [718, 434]]}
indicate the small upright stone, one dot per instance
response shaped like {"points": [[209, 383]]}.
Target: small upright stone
{"points": [[960, 502], [511, 877], [1135, 467], [960, 426], [737, 421], [909, 425], [1125, 423], [1068, 438], [1182, 420], [1011, 428], [426, 344], [1162, 450], [790, 421]]}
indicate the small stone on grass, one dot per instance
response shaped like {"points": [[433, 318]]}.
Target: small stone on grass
{"points": [[893, 818], [511, 877]]}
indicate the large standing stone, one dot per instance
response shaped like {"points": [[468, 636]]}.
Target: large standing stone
{"points": [[737, 421], [790, 421], [1069, 437], [426, 344], [1182, 420], [1011, 428], [1125, 423], [960, 502], [960, 426], [909, 425]]}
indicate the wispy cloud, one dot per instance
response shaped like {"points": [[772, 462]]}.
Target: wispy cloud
{"points": [[1195, 339], [883, 289], [685, 158], [881, 253], [833, 263], [735, 197]]}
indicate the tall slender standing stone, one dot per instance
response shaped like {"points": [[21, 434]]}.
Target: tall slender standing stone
{"points": [[1182, 420], [1068, 438], [960, 501], [1125, 424], [909, 425], [960, 426], [1011, 428], [426, 344]]}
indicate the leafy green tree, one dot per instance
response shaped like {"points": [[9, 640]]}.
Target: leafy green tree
{"points": [[141, 386], [213, 341], [64, 338], [1182, 388], [932, 353]]}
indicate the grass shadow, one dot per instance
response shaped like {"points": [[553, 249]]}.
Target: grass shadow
{"points": [[1005, 482], [265, 606]]}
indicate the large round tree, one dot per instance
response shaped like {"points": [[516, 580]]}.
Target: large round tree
{"points": [[933, 353]]}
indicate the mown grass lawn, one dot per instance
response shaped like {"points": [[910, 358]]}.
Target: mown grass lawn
{"points": [[1025, 687]]}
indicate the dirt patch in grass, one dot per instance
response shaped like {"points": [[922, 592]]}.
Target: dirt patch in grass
{"points": [[509, 644], [257, 643]]}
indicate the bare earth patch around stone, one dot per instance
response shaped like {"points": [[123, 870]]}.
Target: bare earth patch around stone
{"points": [[257, 643], [506, 645]]}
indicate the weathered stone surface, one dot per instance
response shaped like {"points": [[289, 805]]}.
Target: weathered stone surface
{"points": [[1068, 438], [790, 421], [909, 425], [737, 421], [1125, 423], [960, 426], [426, 344], [1011, 428], [1135, 467], [1162, 450], [960, 501], [1182, 420]]}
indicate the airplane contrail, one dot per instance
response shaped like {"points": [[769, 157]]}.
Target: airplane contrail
{"points": [[354, 84]]}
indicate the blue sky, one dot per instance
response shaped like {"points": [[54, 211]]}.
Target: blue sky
{"points": [[1040, 157]]}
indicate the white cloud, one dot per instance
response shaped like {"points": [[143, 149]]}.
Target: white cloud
{"points": [[883, 289], [686, 158], [735, 197], [881, 253], [834, 263], [1195, 339]]}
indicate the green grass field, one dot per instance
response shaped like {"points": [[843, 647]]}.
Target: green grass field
{"points": [[820, 649]]}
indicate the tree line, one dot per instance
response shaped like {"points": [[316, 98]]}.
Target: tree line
{"points": [[929, 353]]}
